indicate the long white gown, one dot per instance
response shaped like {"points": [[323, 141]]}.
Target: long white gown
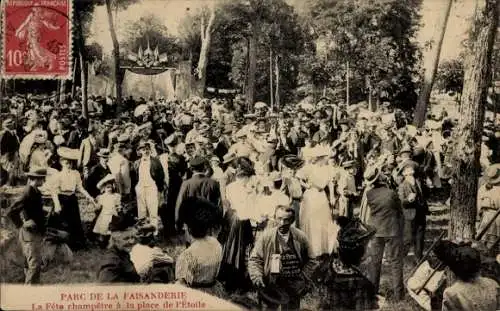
{"points": [[315, 214]]}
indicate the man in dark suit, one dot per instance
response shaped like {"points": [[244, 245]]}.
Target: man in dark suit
{"points": [[198, 186], [97, 172], [387, 216], [150, 185], [415, 211], [27, 214]]}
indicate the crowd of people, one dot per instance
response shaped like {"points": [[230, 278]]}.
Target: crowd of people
{"points": [[312, 195]]}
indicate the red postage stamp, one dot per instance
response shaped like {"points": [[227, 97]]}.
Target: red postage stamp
{"points": [[37, 39]]}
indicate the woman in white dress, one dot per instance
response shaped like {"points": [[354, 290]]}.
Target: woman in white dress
{"points": [[109, 203], [315, 212], [237, 235]]}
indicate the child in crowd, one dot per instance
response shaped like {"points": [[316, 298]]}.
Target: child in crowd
{"points": [[108, 204]]}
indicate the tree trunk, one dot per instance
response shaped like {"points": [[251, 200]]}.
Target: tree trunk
{"points": [[277, 87], [116, 58], [252, 68], [271, 92], [62, 91], [430, 73], [73, 84], [84, 73], [206, 39], [347, 84], [83, 66], [466, 152]]}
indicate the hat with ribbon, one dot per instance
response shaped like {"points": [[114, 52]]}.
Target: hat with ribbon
{"points": [[372, 174], [68, 153], [106, 180], [292, 162]]}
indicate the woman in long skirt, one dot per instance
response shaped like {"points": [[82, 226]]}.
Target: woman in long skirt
{"points": [[315, 212], [65, 184], [237, 235]]}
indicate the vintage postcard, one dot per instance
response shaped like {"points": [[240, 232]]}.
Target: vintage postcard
{"points": [[249, 155]]}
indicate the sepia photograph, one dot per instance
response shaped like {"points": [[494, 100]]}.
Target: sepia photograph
{"points": [[250, 155]]}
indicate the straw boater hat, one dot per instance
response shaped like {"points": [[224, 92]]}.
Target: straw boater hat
{"points": [[260, 105], [106, 180], [140, 110], [38, 173], [68, 153], [372, 174], [103, 153], [292, 162], [143, 144], [320, 151], [228, 157], [492, 174]]}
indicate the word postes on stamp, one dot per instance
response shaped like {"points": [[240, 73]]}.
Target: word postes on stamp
{"points": [[37, 39]]}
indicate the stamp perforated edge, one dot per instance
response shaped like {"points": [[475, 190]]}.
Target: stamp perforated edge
{"points": [[37, 76]]}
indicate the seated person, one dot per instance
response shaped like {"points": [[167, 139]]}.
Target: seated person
{"points": [[150, 262], [116, 265], [198, 265], [470, 291], [345, 286]]}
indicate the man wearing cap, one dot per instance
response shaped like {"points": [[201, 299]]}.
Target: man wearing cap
{"points": [[97, 172], [27, 214], [282, 259], [150, 185], [76, 135], [346, 189], [415, 211], [102, 138], [386, 215], [405, 159], [88, 147], [198, 186]]}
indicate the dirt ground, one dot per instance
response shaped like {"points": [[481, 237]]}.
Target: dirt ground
{"points": [[83, 269]]}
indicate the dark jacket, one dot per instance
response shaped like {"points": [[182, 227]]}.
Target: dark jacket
{"points": [[9, 143], [29, 206], [385, 211], [156, 172], [259, 264], [418, 206], [198, 186], [117, 267], [96, 173]]}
